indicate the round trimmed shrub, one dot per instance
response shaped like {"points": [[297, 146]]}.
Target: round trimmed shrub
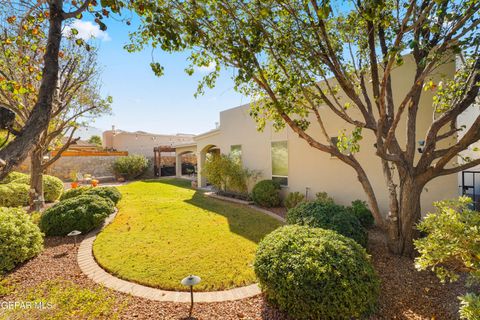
{"points": [[74, 192], [14, 194], [266, 193], [331, 216], [313, 273], [52, 187], [130, 167], [360, 209], [20, 238], [83, 213], [111, 193], [14, 175]]}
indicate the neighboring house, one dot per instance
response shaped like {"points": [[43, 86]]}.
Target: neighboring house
{"points": [[285, 157], [141, 142]]}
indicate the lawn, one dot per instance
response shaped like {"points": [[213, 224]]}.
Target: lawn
{"points": [[165, 231]]}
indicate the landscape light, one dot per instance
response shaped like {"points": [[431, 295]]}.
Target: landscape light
{"points": [[74, 234], [190, 281]]}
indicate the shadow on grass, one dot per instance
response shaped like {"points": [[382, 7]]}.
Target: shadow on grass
{"points": [[242, 220]]}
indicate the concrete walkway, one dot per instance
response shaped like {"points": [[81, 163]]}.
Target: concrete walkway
{"points": [[89, 266]]}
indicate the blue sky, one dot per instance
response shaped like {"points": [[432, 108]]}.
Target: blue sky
{"points": [[142, 101]]}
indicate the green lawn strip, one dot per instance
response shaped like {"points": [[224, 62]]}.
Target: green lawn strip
{"points": [[165, 231]]}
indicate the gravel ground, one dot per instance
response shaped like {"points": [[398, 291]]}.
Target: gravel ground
{"points": [[406, 293]]}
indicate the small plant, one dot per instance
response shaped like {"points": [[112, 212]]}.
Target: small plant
{"points": [[14, 194], [360, 209], [293, 199], [266, 193], [312, 273], [52, 187], [130, 167], [328, 216], [20, 238], [451, 245], [323, 197], [83, 213]]}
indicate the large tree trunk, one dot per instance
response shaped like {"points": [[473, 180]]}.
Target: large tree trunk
{"points": [[402, 219], [17, 150], [36, 180]]}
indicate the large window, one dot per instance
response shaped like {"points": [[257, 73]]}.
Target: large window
{"points": [[280, 162], [236, 152]]}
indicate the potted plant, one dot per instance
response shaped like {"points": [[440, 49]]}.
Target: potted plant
{"points": [[74, 178]]}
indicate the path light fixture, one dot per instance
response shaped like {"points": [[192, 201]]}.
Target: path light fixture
{"points": [[190, 281], [74, 234]]}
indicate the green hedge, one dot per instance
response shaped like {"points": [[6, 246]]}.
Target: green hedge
{"points": [[74, 192], [111, 193], [83, 213], [328, 215], [266, 193], [313, 273], [14, 194], [14, 176], [52, 187], [293, 199], [20, 238]]}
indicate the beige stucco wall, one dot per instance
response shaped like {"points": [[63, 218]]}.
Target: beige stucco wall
{"points": [[140, 143], [309, 167]]}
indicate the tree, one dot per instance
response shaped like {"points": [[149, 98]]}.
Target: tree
{"points": [[96, 140], [33, 14], [76, 99], [452, 246], [294, 56]]}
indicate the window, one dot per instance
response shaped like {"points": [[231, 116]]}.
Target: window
{"points": [[236, 152], [280, 162]]}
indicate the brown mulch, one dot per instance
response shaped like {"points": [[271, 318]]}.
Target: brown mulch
{"points": [[279, 211], [405, 293]]}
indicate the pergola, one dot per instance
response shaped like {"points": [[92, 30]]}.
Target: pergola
{"points": [[157, 156]]}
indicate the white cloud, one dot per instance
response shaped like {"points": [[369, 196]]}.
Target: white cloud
{"points": [[86, 31], [211, 66]]}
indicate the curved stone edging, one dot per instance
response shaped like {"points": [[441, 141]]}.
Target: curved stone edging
{"points": [[89, 267]]}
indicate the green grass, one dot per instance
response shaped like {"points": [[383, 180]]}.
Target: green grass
{"points": [[165, 231]]}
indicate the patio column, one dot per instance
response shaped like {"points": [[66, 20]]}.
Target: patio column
{"points": [[178, 165], [201, 180]]}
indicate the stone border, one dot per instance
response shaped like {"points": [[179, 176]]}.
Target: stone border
{"points": [[89, 267]]}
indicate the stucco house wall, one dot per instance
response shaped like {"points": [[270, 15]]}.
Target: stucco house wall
{"points": [[316, 170]]}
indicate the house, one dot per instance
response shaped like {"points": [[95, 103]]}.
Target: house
{"points": [[285, 157]]}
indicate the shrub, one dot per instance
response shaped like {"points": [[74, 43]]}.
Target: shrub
{"points": [[323, 197], [111, 193], [360, 209], [313, 273], [293, 199], [74, 192], [226, 173], [130, 167], [266, 193], [328, 216], [14, 194], [20, 238], [83, 213], [52, 187], [451, 245], [14, 176]]}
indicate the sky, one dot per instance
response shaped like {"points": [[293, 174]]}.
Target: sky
{"points": [[142, 101]]}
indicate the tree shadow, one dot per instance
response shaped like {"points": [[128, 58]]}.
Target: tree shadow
{"points": [[242, 220]]}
